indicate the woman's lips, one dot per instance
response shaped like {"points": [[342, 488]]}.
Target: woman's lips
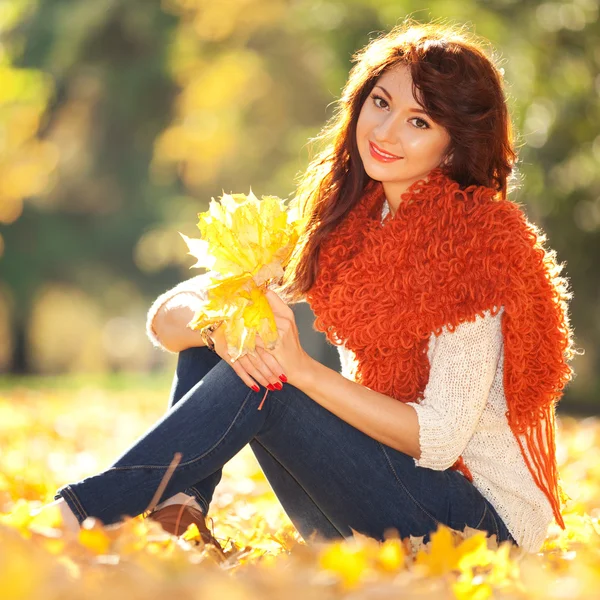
{"points": [[381, 155]]}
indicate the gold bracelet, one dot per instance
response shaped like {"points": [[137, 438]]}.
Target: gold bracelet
{"points": [[205, 335]]}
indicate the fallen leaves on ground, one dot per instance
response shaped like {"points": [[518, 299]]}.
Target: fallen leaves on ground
{"points": [[48, 438]]}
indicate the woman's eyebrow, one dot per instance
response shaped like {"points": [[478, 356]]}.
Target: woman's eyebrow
{"points": [[384, 91]]}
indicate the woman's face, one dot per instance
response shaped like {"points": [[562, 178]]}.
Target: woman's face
{"points": [[397, 141]]}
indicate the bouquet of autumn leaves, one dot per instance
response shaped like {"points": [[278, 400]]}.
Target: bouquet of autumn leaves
{"points": [[245, 245]]}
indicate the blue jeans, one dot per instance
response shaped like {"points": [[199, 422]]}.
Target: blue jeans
{"points": [[329, 477]]}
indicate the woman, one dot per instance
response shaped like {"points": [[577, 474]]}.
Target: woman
{"points": [[450, 318]]}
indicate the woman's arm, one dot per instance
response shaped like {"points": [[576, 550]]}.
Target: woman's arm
{"points": [[381, 417], [436, 431], [170, 323], [463, 367], [172, 311]]}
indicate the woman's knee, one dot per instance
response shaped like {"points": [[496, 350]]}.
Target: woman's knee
{"points": [[197, 358]]}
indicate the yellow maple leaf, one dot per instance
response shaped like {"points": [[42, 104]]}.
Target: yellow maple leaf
{"points": [[347, 559], [19, 518], [246, 243], [192, 533], [444, 556], [93, 536], [473, 552], [504, 569], [467, 590], [579, 530], [441, 557], [47, 519], [391, 555]]}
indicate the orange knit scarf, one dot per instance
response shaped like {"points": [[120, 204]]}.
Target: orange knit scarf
{"points": [[446, 256]]}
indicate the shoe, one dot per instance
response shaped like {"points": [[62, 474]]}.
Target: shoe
{"points": [[175, 519]]}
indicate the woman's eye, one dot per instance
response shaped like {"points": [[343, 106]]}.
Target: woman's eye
{"points": [[379, 101], [420, 123]]}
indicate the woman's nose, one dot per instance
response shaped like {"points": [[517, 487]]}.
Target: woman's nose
{"points": [[387, 130]]}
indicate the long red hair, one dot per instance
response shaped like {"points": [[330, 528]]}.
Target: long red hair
{"points": [[459, 87]]}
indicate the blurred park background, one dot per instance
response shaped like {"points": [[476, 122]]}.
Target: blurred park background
{"points": [[120, 119]]}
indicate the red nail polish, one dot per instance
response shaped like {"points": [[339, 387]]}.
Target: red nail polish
{"points": [[270, 387], [283, 378], [256, 388], [278, 386]]}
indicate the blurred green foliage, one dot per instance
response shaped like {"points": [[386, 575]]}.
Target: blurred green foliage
{"points": [[120, 119]]}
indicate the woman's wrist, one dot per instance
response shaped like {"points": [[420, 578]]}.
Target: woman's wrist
{"points": [[304, 376], [206, 335]]}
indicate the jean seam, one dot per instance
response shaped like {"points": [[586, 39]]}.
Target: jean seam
{"points": [[200, 499], [299, 484], [485, 512], [81, 512], [495, 525], [406, 491], [193, 460], [273, 422]]}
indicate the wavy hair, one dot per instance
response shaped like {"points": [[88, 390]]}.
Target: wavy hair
{"points": [[458, 85]]}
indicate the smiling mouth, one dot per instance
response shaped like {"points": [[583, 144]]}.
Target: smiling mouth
{"points": [[382, 156]]}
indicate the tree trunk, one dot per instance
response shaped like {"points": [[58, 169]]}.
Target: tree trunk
{"points": [[20, 363]]}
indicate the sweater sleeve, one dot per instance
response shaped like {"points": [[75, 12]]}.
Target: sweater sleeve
{"points": [[187, 293], [463, 364], [190, 292]]}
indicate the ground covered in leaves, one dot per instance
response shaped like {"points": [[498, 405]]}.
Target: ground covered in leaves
{"points": [[52, 433]]}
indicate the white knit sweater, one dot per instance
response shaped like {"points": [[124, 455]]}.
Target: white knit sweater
{"points": [[463, 413]]}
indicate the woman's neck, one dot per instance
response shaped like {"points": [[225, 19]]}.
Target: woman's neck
{"points": [[394, 190], [393, 194]]}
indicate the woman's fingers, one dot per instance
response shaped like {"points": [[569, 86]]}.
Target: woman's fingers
{"points": [[221, 349], [259, 368], [253, 371], [278, 304], [243, 375], [251, 368], [271, 362]]}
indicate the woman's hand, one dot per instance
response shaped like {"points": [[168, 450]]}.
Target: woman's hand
{"points": [[252, 367], [288, 351]]}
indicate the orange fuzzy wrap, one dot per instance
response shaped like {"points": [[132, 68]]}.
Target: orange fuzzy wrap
{"points": [[446, 256]]}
